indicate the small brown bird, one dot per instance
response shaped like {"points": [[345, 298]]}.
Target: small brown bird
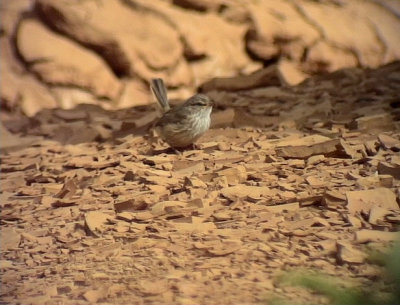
{"points": [[182, 125]]}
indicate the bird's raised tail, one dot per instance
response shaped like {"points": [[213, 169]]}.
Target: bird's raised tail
{"points": [[160, 92]]}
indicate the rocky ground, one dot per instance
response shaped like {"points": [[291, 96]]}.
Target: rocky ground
{"points": [[95, 209], [295, 173]]}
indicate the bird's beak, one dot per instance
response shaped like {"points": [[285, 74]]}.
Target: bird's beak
{"points": [[211, 103]]}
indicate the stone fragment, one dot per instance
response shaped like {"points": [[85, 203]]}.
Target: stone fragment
{"points": [[353, 151], [392, 169], [10, 239], [165, 207], [290, 73], [222, 118], [134, 93], [347, 253], [308, 146], [315, 182], [364, 201], [234, 175], [331, 57], [315, 159], [247, 191], [225, 248], [93, 296], [377, 214], [5, 264], [282, 207], [192, 225], [328, 246], [306, 223], [195, 182], [95, 221], [389, 142], [374, 181], [68, 190], [354, 221], [265, 77], [364, 236], [130, 205], [371, 147], [13, 142], [381, 121], [333, 198], [386, 181], [152, 287]]}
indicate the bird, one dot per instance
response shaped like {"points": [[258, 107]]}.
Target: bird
{"points": [[182, 125]]}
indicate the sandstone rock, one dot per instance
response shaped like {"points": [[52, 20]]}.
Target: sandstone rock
{"points": [[139, 40], [364, 201], [68, 98], [382, 121], [333, 199], [347, 253], [202, 5], [10, 239], [13, 142], [377, 214], [216, 53], [261, 78], [323, 56], [290, 73], [60, 61], [93, 296], [11, 12], [19, 89], [234, 175], [222, 118], [353, 32], [95, 221], [308, 146], [386, 26], [135, 93], [243, 191], [393, 169], [389, 142], [235, 11], [131, 48], [165, 207], [364, 236], [152, 287], [282, 74], [284, 32]]}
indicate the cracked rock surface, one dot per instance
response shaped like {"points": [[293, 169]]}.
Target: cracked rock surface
{"points": [[95, 210]]}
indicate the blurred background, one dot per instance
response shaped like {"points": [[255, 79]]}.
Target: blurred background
{"points": [[61, 53]]}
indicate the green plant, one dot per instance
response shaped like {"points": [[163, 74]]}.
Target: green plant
{"points": [[340, 291]]}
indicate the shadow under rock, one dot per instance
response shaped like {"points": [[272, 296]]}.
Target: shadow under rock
{"points": [[82, 124], [354, 98]]}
